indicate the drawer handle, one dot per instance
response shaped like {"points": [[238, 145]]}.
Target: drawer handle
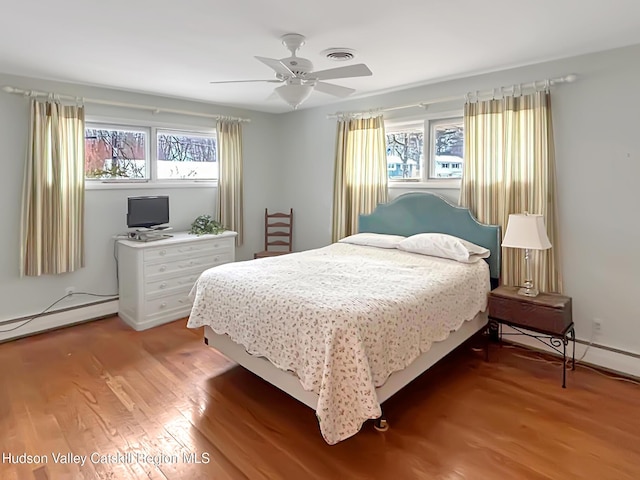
{"points": [[163, 285], [163, 253], [216, 259], [163, 268], [163, 305], [215, 245], [189, 264]]}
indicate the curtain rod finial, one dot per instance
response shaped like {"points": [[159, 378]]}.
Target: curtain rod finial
{"points": [[8, 89], [572, 77]]}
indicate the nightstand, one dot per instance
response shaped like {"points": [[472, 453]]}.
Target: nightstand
{"points": [[546, 317]]}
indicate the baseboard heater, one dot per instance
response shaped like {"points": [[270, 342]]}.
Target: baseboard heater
{"points": [[609, 349], [610, 359], [55, 319]]}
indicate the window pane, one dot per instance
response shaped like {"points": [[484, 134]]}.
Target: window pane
{"points": [[447, 148], [404, 154], [115, 153], [184, 156]]}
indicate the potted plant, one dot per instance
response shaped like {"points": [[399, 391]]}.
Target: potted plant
{"points": [[204, 224]]}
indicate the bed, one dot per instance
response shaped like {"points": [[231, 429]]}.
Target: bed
{"points": [[344, 327]]}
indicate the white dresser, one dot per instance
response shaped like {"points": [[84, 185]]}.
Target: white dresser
{"points": [[155, 278]]}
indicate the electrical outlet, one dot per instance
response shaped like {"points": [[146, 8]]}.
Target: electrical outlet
{"points": [[597, 326], [70, 291]]}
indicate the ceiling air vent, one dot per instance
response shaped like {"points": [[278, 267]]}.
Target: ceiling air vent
{"points": [[339, 54]]}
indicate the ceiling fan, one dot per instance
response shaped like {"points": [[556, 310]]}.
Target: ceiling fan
{"points": [[298, 78]]}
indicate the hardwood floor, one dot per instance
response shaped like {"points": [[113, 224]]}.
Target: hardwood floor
{"points": [[102, 388]]}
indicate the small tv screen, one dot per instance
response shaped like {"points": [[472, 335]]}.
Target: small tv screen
{"points": [[147, 211]]}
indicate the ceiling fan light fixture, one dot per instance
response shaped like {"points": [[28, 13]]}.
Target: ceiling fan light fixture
{"points": [[294, 95]]}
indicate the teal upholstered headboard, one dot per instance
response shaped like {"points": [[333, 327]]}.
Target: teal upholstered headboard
{"points": [[413, 213]]}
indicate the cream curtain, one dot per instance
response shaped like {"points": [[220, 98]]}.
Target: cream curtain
{"points": [[52, 227], [360, 179], [229, 209], [510, 168]]}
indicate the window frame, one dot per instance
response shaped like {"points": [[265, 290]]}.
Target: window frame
{"points": [[125, 128], [406, 125], [432, 123], [425, 180], [187, 133], [152, 181]]}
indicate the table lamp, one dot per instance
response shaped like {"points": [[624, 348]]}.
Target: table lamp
{"points": [[526, 231]]}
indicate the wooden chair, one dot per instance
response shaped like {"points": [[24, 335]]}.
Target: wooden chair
{"points": [[278, 234]]}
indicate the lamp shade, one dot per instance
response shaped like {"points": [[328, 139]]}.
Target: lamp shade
{"points": [[294, 95], [526, 231]]}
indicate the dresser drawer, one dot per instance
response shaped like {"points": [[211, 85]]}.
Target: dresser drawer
{"points": [[156, 271], [170, 285], [527, 314], [188, 250], [169, 303]]}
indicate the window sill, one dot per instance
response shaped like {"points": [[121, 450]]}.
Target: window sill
{"points": [[98, 185], [429, 185]]}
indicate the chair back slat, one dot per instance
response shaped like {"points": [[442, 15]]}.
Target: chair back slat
{"points": [[283, 222]]}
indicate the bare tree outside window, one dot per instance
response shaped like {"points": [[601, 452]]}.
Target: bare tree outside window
{"points": [[450, 141], [115, 153], [407, 159], [447, 150], [182, 156], [125, 152], [404, 154]]}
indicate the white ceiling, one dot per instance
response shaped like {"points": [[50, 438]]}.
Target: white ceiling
{"points": [[175, 48]]}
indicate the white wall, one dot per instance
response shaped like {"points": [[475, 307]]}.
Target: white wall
{"points": [[596, 125], [106, 209]]}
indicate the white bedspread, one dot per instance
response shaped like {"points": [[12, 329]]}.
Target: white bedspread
{"points": [[342, 318]]}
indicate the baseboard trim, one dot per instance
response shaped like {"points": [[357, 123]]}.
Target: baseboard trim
{"points": [[610, 349], [600, 356], [61, 318]]}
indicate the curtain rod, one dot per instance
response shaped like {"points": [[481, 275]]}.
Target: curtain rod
{"points": [[513, 88], [97, 101]]}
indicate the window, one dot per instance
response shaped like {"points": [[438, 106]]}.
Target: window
{"points": [[126, 153], [185, 156], [446, 148], [409, 160], [113, 152], [405, 145]]}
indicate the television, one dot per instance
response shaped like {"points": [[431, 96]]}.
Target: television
{"points": [[147, 211]]}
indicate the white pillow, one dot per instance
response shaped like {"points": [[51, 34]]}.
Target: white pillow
{"points": [[445, 246], [379, 240]]}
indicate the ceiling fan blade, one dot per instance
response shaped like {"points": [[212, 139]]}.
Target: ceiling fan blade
{"points": [[359, 70], [247, 81], [274, 96], [335, 90], [277, 65]]}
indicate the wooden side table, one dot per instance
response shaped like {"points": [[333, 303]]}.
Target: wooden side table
{"points": [[546, 317]]}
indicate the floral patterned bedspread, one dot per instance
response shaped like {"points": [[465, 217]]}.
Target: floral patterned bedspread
{"points": [[342, 318]]}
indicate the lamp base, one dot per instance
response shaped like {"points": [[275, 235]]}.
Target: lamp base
{"points": [[529, 291]]}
